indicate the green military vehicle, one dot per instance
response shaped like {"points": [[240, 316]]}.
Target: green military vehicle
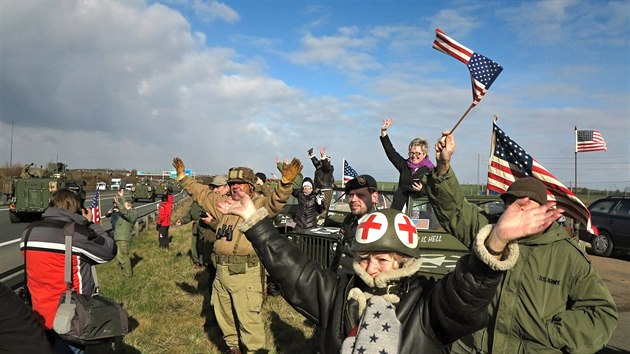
{"points": [[143, 190], [29, 194], [440, 250], [160, 188]]}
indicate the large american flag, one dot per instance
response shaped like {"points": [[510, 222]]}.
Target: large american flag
{"points": [[348, 172], [510, 162], [483, 71], [589, 140], [96, 216]]}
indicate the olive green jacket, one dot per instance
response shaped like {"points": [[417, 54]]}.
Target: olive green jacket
{"points": [[552, 301], [200, 229], [207, 199], [125, 223]]}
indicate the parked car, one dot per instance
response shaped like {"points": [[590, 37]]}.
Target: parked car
{"points": [[611, 217]]}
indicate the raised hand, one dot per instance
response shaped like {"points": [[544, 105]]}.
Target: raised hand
{"points": [[290, 170], [244, 207], [179, 168], [519, 222]]}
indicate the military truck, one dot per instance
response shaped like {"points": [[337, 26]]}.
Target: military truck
{"points": [[440, 250], [160, 188], [29, 194], [143, 190]]}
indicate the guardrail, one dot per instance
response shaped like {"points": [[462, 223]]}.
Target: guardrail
{"points": [[14, 277]]}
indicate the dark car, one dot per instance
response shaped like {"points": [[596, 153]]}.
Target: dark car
{"points": [[611, 216]]}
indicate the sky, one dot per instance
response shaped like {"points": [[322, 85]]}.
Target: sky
{"points": [[132, 84]]}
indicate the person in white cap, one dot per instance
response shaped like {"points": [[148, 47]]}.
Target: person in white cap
{"points": [[386, 306], [309, 205]]}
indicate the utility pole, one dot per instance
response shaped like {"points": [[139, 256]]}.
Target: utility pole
{"points": [[11, 153]]}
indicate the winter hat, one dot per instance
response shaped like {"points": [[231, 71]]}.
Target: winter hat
{"points": [[307, 181]]}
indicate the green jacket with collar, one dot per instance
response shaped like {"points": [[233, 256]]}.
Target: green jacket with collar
{"points": [[551, 301], [125, 223]]}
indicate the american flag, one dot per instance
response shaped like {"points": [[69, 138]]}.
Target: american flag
{"points": [[510, 162], [483, 71], [589, 140], [96, 216], [348, 172]]}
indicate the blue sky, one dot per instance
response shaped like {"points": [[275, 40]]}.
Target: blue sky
{"points": [[131, 84]]}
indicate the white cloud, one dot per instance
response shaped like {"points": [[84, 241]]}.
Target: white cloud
{"points": [[210, 11]]}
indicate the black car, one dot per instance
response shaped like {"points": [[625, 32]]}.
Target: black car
{"points": [[611, 216]]}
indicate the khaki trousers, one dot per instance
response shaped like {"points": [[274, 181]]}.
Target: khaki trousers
{"points": [[237, 301]]}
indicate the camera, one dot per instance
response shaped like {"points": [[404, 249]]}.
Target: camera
{"points": [[203, 214]]}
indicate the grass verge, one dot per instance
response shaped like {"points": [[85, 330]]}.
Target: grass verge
{"points": [[169, 307]]}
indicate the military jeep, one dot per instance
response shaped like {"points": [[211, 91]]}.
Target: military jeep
{"points": [[440, 250]]}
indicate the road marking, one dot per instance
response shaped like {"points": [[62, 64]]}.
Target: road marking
{"points": [[9, 242]]}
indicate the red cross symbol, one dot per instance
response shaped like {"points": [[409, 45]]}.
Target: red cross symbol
{"points": [[369, 224], [408, 227]]}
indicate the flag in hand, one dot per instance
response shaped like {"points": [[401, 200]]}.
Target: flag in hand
{"points": [[96, 216], [348, 172], [589, 140], [483, 71], [510, 162]]}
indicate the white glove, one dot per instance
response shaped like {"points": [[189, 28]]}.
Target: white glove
{"points": [[319, 198]]}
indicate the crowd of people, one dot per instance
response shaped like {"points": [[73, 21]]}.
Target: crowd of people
{"points": [[525, 286]]}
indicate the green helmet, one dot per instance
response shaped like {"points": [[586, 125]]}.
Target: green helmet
{"points": [[386, 230]]}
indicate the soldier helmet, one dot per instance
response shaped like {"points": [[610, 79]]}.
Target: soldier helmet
{"points": [[386, 230], [527, 187], [241, 175]]}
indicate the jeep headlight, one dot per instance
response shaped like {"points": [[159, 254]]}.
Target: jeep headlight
{"points": [[52, 186]]}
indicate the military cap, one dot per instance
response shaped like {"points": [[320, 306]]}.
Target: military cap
{"points": [[527, 187], [241, 175], [219, 181], [386, 230], [361, 181]]}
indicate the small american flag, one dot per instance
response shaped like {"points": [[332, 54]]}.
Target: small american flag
{"points": [[96, 216], [483, 71], [589, 140], [348, 172], [510, 162]]}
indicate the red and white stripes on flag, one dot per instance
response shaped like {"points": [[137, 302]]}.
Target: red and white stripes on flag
{"points": [[589, 140], [483, 71], [509, 162], [94, 207]]}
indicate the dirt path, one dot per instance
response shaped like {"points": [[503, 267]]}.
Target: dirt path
{"points": [[616, 275]]}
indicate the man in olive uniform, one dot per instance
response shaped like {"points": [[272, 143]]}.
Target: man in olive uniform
{"points": [[237, 293], [362, 198], [204, 227], [124, 229]]}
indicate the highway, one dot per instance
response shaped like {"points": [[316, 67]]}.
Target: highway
{"points": [[11, 260]]}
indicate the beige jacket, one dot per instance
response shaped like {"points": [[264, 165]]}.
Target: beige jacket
{"points": [[239, 246]]}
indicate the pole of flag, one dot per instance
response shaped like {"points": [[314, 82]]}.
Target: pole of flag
{"points": [[343, 177], [461, 119], [575, 158]]}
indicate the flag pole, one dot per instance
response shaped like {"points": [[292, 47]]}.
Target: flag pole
{"points": [[461, 119], [495, 118], [575, 158], [343, 172]]}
